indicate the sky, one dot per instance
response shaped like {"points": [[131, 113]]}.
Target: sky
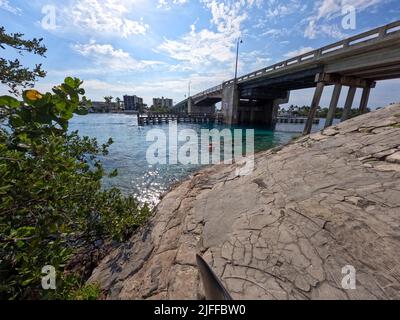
{"points": [[154, 48]]}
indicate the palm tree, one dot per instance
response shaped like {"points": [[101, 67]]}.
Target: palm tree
{"points": [[108, 100], [118, 103]]}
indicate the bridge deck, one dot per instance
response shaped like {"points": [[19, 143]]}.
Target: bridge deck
{"points": [[374, 55], [356, 62]]}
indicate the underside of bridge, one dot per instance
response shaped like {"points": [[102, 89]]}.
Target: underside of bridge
{"points": [[357, 63], [256, 101], [205, 105]]}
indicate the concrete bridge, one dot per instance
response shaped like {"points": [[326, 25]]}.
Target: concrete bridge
{"points": [[357, 63]]}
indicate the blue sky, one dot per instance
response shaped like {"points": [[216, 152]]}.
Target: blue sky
{"points": [[153, 48]]}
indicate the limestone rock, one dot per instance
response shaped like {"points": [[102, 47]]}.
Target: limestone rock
{"points": [[285, 231]]}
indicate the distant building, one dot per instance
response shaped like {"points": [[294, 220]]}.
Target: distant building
{"points": [[133, 103], [99, 106], [162, 103], [102, 106]]}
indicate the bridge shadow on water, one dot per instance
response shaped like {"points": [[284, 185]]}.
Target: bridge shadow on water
{"points": [[266, 138]]}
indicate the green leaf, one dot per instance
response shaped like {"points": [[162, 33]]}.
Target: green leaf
{"points": [[24, 231], [70, 82], [113, 173], [9, 101], [81, 111], [20, 244], [4, 189], [60, 106], [16, 121], [27, 282]]}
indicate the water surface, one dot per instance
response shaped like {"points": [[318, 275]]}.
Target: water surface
{"points": [[128, 152]]}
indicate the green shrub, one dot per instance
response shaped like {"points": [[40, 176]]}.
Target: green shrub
{"points": [[51, 199]]}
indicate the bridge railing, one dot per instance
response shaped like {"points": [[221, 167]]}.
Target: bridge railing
{"points": [[208, 91], [371, 35], [377, 33]]}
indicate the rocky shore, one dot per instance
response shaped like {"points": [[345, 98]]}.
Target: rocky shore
{"points": [[285, 231]]}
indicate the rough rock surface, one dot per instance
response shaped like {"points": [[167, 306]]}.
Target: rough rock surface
{"points": [[285, 231]]}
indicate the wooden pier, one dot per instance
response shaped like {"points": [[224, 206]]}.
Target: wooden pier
{"points": [[159, 118], [295, 120]]}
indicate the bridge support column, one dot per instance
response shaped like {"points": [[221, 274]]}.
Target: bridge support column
{"points": [[314, 105], [275, 108], [230, 104], [332, 107], [190, 105], [349, 103], [268, 110], [364, 99], [252, 115]]}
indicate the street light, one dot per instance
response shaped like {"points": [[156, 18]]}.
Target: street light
{"points": [[189, 105], [237, 56]]}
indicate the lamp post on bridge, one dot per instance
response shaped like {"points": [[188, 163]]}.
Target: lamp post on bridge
{"points": [[237, 56], [189, 102], [232, 104]]}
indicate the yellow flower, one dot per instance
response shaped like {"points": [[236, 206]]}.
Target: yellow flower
{"points": [[33, 95]]}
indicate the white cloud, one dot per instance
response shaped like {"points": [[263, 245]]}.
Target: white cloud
{"points": [[174, 88], [318, 24], [198, 49], [253, 60], [104, 17], [257, 3], [214, 48], [225, 16], [328, 7], [276, 33], [108, 58], [280, 10], [314, 29], [275, 13], [167, 4], [5, 5], [298, 52], [331, 8]]}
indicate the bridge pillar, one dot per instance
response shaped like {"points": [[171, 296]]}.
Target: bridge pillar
{"points": [[314, 105], [252, 115], [275, 108], [267, 114], [190, 105], [202, 109], [364, 99], [334, 102], [349, 103], [230, 104]]}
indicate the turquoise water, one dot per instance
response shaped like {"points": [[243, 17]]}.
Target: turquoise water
{"points": [[128, 152]]}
